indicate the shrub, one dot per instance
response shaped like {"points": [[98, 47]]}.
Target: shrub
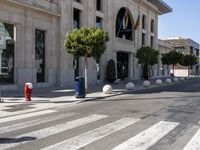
{"points": [[111, 71]]}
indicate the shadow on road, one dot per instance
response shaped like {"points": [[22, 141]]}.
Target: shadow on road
{"points": [[16, 140]]}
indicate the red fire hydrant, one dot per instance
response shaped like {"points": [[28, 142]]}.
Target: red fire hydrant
{"points": [[28, 91]]}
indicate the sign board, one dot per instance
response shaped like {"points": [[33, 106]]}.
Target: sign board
{"points": [[2, 40]]}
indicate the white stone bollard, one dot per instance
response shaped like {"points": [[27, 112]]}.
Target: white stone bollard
{"points": [[158, 82], [182, 78], [175, 80], [107, 89], [130, 86], [168, 80], [146, 83]]}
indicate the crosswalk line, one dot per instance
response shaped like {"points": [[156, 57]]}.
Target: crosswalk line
{"points": [[31, 123], [33, 114], [194, 143], [42, 133], [148, 137], [91, 136]]}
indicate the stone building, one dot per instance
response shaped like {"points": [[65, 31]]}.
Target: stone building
{"points": [[185, 46], [164, 47], [32, 38]]}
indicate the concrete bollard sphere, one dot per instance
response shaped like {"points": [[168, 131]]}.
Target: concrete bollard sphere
{"points": [[146, 83], [176, 79], [168, 80], [182, 78], [130, 86], [158, 82], [107, 89]]}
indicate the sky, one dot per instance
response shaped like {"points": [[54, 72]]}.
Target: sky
{"points": [[183, 21]]}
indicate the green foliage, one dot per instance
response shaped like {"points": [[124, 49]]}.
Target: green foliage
{"points": [[165, 59], [87, 42], [172, 58], [147, 56], [111, 71], [189, 60]]}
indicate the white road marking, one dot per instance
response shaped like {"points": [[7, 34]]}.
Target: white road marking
{"points": [[194, 143], [42, 133], [33, 114], [31, 123], [91, 136], [148, 137]]}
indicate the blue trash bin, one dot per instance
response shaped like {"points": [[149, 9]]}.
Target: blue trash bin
{"points": [[79, 87]]}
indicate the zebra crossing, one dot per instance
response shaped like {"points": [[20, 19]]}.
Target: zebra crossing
{"points": [[51, 123]]}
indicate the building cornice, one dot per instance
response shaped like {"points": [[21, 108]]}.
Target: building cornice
{"points": [[35, 8], [161, 5], [148, 4]]}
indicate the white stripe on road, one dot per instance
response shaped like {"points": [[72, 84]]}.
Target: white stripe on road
{"points": [[31, 123], [91, 136], [17, 117], [39, 134], [148, 137], [194, 143]]}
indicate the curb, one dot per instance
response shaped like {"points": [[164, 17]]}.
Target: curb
{"points": [[130, 91], [80, 101]]}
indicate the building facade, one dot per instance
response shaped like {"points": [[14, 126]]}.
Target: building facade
{"points": [[164, 47], [185, 46], [32, 38]]}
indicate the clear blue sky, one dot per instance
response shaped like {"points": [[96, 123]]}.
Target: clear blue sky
{"points": [[183, 21]]}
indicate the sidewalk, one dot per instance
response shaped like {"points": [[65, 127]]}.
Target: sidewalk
{"points": [[47, 98]]}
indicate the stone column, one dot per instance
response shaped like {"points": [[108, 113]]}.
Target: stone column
{"points": [[159, 65], [130, 67]]}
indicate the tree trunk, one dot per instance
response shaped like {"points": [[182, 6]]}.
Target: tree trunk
{"points": [[146, 71], [86, 74]]}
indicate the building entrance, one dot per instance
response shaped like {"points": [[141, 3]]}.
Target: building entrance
{"points": [[40, 54], [122, 65], [7, 42]]}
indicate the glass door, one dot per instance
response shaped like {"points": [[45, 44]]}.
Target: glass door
{"points": [[6, 53], [122, 65], [40, 54]]}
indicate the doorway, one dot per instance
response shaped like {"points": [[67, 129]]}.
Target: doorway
{"points": [[40, 54], [122, 65]]}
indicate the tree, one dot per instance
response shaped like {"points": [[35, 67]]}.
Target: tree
{"points": [[86, 42], [172, 58], [189, 60], [147, 56]]}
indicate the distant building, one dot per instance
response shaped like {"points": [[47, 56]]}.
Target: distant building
{"points": [[164, 47], [32, 38], [185, 46]]}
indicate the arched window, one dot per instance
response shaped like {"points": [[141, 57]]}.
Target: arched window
{"points": [[152, 26], [124, 25], [143, 22]]}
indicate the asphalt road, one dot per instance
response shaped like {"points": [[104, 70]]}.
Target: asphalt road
{"points": [[162, 118]]}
